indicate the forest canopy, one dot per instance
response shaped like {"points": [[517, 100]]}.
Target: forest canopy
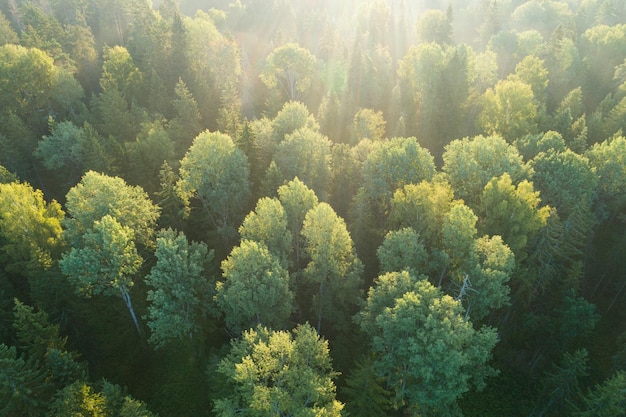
{"points": [[312, 208]]}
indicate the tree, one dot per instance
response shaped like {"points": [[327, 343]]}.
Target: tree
{"points": [[368, 124], [297, 199], [185, 125], [606, 399], [512, 212], [333, 269], [609, 160], [179, 286], [42, 341], [306, 154], [470, 163], [147, 153], [402, 250], [290, 69], [421, 340], [434, 26], [279, 373], [267, 224], [509, 109], [97, 195], [394, 163], [217, 172], [423, 208], [255, 289], [106, 263], [565, 179], [30, 228], [23, 388]]}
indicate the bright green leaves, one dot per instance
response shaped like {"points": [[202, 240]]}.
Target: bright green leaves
{"points": [[98, 195], [217, 172], [470, 163], [509, 109], [268, 224], [179, 288], [512, 212], [107, 261], [255, 289], [30, 228], [279, 373], [394, 163], [333, 265], [428, 352]]}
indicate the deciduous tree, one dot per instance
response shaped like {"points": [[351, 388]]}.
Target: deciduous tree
{"points": [[277, 372]]}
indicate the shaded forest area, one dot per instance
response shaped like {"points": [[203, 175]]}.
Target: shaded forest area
{"points": [[312, 208]]}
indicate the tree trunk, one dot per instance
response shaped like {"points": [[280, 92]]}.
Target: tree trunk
{"points": [[129, 305]]}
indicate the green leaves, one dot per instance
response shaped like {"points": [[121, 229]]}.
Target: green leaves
{"points": [[255, 289], [106, 262], [279, 373], [428, 352], [179, 288], [217, 172], [289, 68]]}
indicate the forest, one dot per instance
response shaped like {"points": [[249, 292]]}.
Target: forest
{"points": [[312, 208]]}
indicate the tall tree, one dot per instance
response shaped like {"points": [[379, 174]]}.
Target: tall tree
{"points": [[278, 372], [470, 163], [306, 154], [267, 224], [297, 199], [290, 69], [255, 289], [106, 263], [97, 195], [333, 269], [179, 286], [30, 228], [428, 352], [217, 172]]}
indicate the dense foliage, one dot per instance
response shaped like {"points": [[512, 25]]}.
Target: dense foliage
{"points": [[312, 208]]}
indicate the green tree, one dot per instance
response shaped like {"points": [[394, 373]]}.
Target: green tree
{"points": [[297, 199], [402, 250], [333, 270], [429, 354], [30, 228], [147, 153], [509, 109], [97, 195], [255, 289], [423, 208], [290, 69], [23, 388], [185, 125], [606, 399], [179, 286], [512, 212], [470, 163], [106, 263], [609, 160], [217, 172], [278, 372], [368, 124], [566, 180], [306, 154], [394, 163], [78, 399], [267, 224], [434, 26]]}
